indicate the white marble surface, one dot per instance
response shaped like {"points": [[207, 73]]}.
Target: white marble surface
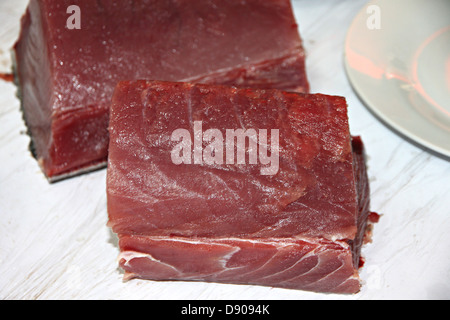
{"points": [[54, 243]]}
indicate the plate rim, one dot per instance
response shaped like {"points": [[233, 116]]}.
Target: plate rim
{"points": [[405, 133]]}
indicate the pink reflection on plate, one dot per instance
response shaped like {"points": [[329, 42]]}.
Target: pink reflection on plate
{"points": [[417, 84]]}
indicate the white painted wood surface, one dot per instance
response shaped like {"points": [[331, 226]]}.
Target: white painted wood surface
{"points": [[54, 243]]}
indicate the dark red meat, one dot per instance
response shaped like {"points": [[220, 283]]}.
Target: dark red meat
{"points": [[316, 205], [67, 76], [7, 77], [304, 264]]}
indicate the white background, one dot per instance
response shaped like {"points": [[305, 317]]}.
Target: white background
{"points": [[54, 243]]}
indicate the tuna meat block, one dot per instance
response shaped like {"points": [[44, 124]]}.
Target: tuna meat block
{"points": [[236, 185], [71, 54]]}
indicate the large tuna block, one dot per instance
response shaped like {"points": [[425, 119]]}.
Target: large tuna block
{"points": [[226, 184], [67, 75]]}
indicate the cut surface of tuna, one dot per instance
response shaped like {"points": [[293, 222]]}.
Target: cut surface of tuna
{"points": [[174, 192], [310, 265], [67, 73]]}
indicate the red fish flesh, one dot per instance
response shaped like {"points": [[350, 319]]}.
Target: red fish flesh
{"points": [[302, 264], [71, 55], [301, 227]]}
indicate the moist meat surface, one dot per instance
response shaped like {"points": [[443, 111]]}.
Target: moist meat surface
{"points": [[67, 76], [302, 228], [313, 194], [309, 264]]}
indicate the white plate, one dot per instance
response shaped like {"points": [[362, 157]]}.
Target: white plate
{"points": [[397, 58]]}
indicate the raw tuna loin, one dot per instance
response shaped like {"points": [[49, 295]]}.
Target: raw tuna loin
{"points": [[67, 70], [300, 226]]}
